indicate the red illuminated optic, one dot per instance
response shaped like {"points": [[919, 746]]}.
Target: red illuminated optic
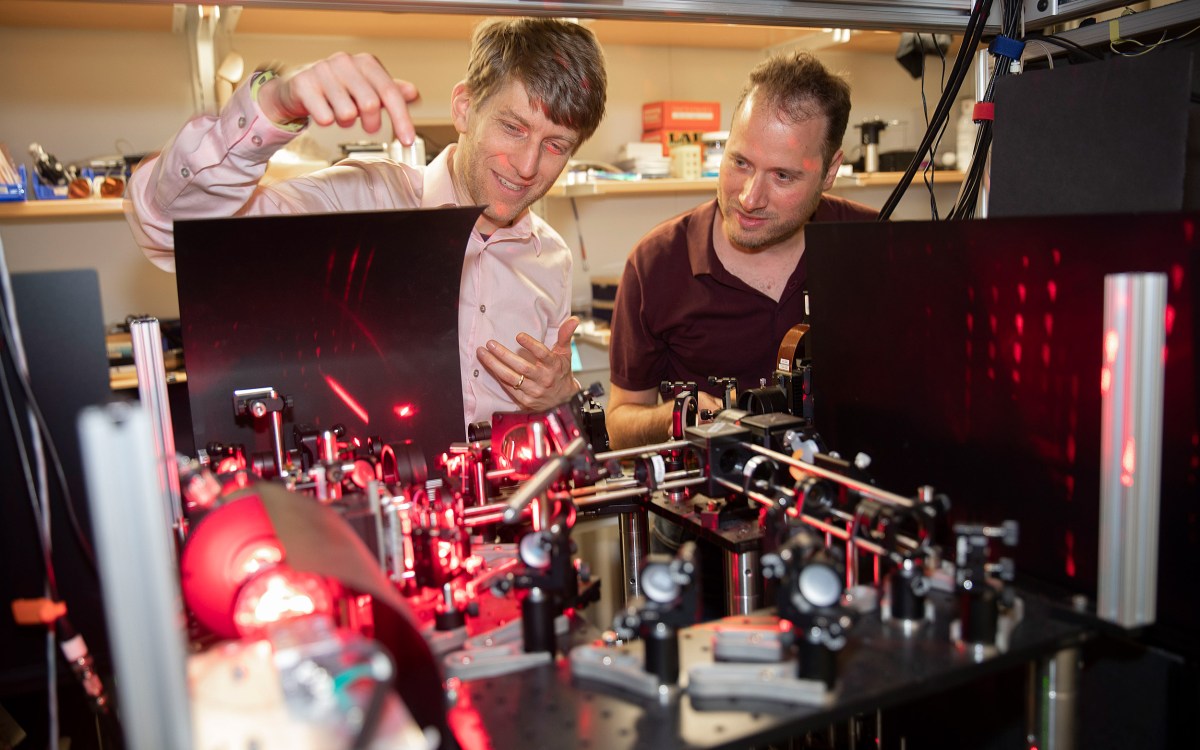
{"points": [[224, 549], [277, 594], [364, 473]]}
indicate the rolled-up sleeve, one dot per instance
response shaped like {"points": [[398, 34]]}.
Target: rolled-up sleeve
{"points": [[210, 169]]}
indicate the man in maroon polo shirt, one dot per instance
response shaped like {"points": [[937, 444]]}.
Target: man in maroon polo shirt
{"points": [[714, 290]]}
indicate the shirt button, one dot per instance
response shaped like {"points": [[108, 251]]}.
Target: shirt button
{"points": [[483, 308], [185, 172], [242, 122], [256, 140], [475, 373]]}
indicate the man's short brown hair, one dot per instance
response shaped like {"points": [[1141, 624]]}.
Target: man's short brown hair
{"points": [[801, 87], [559, 63]]}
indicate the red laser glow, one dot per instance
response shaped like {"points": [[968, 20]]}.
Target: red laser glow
{"points": [[347, 399]]}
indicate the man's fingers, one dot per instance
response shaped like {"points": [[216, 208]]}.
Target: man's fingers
{"points": [[346, 89], [395, 96], [565, 332]]}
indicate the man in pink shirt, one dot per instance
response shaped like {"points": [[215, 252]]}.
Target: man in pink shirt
{"points": [[534, 92]]}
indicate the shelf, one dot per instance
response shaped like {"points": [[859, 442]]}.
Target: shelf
{"points": [[83, 208], [709, 184], [890, 179], [633, 187]]}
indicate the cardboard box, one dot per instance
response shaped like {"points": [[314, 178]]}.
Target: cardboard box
{"points": [[701, 116], [668, 138]]}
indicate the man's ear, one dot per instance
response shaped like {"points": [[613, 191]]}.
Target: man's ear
{"points": [[460, 106], [831, 174]]}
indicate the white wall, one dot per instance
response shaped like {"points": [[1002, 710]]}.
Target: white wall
{"points": [[105, 92]]}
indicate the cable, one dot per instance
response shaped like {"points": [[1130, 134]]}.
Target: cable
{"points": [[968, 196], [974, 32], [1145, 48], [62, 635], [37, 497], [1066, 44], [930, 170]]}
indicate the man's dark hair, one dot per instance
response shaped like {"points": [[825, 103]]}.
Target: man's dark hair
{"points": [[802, 88], [559, 63]]}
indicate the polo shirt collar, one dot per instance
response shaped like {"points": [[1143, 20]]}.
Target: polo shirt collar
{"points": [[439, 192]]}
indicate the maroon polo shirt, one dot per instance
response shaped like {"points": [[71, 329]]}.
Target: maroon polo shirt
{"points": [[680, 315]]}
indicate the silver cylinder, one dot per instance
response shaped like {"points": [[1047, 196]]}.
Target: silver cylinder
{"points": [[635, 545], [743, 584], [1054, 694]]}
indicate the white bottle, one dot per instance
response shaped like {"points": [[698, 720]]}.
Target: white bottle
{"points": [[966, 136]]}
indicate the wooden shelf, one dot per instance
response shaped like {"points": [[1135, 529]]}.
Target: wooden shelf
{"points": [[83, 208], [890, 179], [598, 188], [633, 187]]}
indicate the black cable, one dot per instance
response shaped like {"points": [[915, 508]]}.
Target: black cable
{"points": [[968, 196], [971, 39], [930, 166], [974, 32], [1066, 44], [30, 485]]}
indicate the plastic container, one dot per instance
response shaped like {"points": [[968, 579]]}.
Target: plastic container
{"points": [[14, 191], [714, 151], [686, 161]]}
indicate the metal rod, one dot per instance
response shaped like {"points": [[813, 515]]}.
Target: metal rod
{"points": [[627, 482], [482, 515], [757, 497], [547, 475], [862, 488], [635, 545], [631, 452]]}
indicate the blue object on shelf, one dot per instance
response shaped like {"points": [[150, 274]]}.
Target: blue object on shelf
{"points": [[10, 192], [44, 192]]}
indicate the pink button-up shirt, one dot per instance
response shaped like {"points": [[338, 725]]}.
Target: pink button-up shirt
{"points": [[517, 279]]}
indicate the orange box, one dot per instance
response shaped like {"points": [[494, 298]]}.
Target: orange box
{"points": [[702, 116], [670, 138]]}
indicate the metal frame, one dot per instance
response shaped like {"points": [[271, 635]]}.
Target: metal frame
{"points": [[1131, 446], [917, 15], [137, 568]]}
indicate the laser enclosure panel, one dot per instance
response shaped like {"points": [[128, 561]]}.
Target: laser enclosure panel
{"points": [[967, 355], [352, 315]]}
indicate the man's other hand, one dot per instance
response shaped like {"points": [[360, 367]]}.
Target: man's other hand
{"points": [[537, 377]]}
